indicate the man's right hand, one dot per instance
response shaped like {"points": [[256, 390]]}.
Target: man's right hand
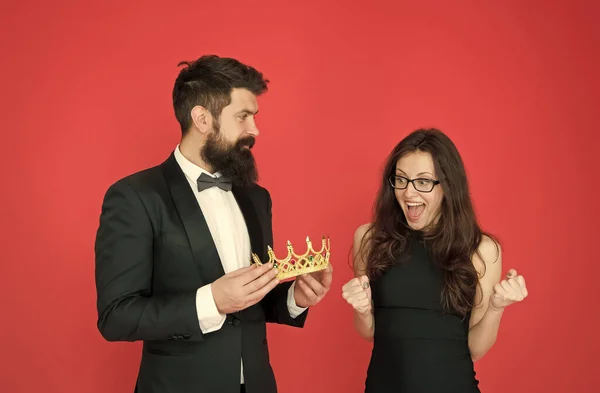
{"points": [[244, 287]]}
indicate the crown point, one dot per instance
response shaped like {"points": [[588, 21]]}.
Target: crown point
{"points": [[289, 243]]}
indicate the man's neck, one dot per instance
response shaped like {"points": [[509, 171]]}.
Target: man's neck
{"points": [[190, 149]]}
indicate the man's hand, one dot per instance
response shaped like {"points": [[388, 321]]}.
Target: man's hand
{"points": [[244, 287], [311, 288]]}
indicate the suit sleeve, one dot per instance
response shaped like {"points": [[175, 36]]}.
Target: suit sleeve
{"points": [[276, 303], [127, 308]]}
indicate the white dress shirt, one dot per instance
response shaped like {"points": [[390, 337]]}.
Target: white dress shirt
{"points": [[230, 235]]}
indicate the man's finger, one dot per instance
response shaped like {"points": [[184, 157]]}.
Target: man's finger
{"points": [[314, 285], [260, 281], [242, 270], [253, 274], [256, 296], [310, 294], [327, 277]]}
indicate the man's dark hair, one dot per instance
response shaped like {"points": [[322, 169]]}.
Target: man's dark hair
{"points": [[208, 82]]}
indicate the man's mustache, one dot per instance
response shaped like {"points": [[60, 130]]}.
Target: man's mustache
{"points": [[246, 141]]}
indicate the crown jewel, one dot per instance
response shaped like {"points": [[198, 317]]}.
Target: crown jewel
{"points": [[294, 265]]}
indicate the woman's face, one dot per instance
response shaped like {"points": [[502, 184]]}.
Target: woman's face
{"points": [[421, 198]]}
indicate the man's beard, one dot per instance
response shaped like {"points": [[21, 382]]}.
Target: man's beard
{"points": [[232, 160]]}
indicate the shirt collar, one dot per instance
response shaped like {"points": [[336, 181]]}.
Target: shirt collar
{"points": [[191, 170]]}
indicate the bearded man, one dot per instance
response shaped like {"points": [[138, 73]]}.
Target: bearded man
{"points": [[174, 244]]}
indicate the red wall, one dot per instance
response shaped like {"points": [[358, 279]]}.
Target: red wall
{"points": [[86, 100]]}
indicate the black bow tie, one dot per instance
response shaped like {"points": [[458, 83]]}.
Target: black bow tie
{"points": [[205, 181]]}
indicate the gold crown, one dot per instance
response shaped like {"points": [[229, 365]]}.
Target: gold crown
{"points": [[294, 265]]}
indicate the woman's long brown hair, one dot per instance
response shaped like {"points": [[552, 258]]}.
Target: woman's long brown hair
{"points": [[451, 242]]}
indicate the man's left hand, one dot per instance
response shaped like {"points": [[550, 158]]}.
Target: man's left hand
{"points": [[311, 288]]}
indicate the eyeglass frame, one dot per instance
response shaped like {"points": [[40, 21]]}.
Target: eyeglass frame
{"points": [[392, 178]]}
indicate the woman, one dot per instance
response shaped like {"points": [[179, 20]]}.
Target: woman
{"points": [[428, 287]]}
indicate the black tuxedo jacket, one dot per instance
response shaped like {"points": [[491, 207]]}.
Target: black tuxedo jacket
{"points": [[153, 251]]}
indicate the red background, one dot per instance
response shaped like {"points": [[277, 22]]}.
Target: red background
{"points": [[86, 100]]}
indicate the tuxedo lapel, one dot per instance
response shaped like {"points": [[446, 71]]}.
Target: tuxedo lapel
{"points": [[243, 198], [203, 247]]}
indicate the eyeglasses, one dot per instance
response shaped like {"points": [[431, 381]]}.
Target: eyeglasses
{"points": [[421, 184]]}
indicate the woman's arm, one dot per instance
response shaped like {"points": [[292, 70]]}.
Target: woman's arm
{"points": [[493, 297], [357, 291]]}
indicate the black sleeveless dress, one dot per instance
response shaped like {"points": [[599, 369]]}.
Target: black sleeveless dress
{"points": [[417, 348]]}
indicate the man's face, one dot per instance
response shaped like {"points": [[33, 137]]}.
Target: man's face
{"points": [[238, 118], [228, 146]]}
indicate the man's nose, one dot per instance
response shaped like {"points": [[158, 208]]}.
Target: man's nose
{"points": [[253, 130]]}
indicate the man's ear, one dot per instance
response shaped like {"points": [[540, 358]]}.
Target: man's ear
{"points": [[201, 119]]}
